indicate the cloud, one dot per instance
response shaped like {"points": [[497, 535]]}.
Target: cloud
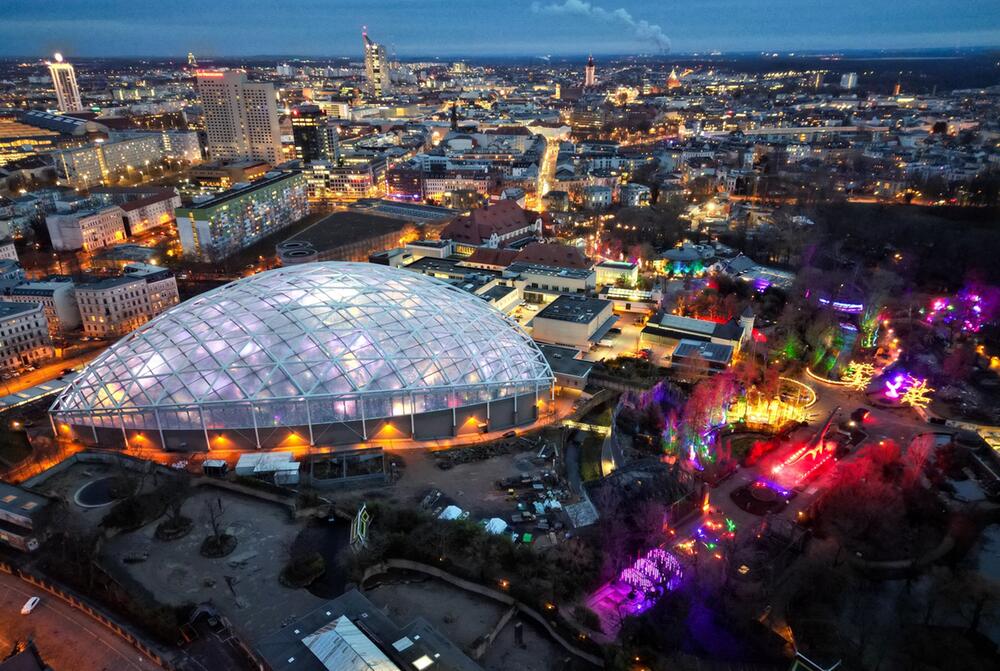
{"points": [[641, 29]]}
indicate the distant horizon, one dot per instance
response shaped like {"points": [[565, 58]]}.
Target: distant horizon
{"points": [[486, 28], [858, 53]]}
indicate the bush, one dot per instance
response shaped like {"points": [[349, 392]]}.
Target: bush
{"points": [[303, 570], [214, 547], [587, 618], [139, 509]]}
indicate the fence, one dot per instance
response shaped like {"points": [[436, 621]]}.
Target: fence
{"points": [[482, 590], [89, 609]]}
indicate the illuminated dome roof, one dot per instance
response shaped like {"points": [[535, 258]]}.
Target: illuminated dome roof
{"points": [[331, 333]]}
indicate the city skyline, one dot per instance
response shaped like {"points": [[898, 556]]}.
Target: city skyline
{"points": [[114, 28]]}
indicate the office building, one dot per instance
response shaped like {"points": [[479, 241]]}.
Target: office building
{"points": [[241, 117], [88, 230], [376, 68], [24, 335], [64, 82], [315, 139], [848, 80], [143, 208], [213, 229]]}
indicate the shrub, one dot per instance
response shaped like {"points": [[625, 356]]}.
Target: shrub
{"points": [[302, 570], [587, 618]]}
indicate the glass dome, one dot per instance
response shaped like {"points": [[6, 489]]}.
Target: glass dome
{"points": [[305, 345]]}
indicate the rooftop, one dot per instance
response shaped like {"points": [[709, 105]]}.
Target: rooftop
{"points": [[9, 309], [351, 634], [235, 193], [579, 309]]}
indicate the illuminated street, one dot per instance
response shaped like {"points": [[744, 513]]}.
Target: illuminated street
{"points": [[68, 638]]}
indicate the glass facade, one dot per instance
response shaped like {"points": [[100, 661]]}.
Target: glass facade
{"points": [[308, 345]]}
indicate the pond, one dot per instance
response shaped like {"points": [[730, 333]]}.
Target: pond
{"points": [[96, 493], [329, 539]]}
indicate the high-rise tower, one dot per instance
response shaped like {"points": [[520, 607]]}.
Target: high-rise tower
{"points": [[241, 117], [64, 81], [376, 68], [590, 73]]}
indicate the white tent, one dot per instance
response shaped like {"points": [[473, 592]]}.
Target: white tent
{"points": [[495, 526], [450, 513]]}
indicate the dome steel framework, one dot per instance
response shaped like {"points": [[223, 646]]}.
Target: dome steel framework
{"points": [[307, 348]]}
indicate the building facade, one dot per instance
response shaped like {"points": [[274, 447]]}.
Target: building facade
{"points": [[217, 228], [88, 230], [143, 214], [64, 82], [376, 68], [24, 335], [57, 297], [94, 164], [241, 117]]}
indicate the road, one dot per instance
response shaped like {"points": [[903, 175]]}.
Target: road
{"points": [[66, 638], [52, 370]]}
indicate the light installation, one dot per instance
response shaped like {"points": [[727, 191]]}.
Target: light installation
{"points": [[650, 577], [917, 395], [906, 389], [969, 310], [859, 375], [805, 461]]}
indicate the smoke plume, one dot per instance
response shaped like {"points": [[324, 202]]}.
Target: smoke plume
{"points": [[640, 28]]}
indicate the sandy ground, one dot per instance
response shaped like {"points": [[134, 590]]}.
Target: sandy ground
{"points": [[244, 585]]}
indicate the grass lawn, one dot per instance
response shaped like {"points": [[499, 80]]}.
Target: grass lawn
{"points": [[590, 457]]}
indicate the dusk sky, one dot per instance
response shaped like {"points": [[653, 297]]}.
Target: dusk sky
{"points": [[83, 28]]}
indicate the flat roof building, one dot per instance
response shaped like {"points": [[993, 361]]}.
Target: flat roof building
{"points": [[22, 517], [574, 321], [350, 633], [219, 227]]}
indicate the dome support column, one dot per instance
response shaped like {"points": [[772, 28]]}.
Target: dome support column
{"points": [[159, 428], [256, 434], [364, 422], [121, 422], [309, 421], [204, 427]]}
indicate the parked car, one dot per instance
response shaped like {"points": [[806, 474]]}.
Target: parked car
{"points": [[30, 605], [509, 434]]}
